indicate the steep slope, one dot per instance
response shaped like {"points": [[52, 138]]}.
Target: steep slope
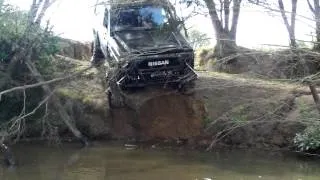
{"points": [[223, 109]]}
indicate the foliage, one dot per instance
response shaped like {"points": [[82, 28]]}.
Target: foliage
{"points": [[13, 24], [309, 139], [13, 27], [198, 39]]}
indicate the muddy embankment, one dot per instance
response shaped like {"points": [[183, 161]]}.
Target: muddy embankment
{"points": [[223, 110]]}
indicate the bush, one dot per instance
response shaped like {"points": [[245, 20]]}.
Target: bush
{"points": [[309, 139], [13, 37], [12, 25]]}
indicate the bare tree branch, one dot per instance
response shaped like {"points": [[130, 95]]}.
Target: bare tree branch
{"points": [[43, 82], [283, 14], [44, 8], [310, 6], [293, 17], [214, 15], [290, 27]]}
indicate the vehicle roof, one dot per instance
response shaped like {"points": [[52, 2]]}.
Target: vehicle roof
{"points": [[125, 3]]}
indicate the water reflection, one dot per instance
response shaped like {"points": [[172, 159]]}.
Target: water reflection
{"points": [[114, 162]]}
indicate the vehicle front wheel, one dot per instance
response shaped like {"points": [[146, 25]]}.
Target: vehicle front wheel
{"points": [[115, 98], [188, 87], [97, 54]]}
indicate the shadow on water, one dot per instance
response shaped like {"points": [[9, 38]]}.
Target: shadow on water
{"points": [[105, 161]]}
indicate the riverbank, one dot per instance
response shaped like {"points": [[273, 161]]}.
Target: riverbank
{"points": [[223, 110]]}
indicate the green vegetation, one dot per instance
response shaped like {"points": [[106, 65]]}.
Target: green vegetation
{"points": [[19, 41], [17, 33], [239, 115], [309, 139], [198, 39]]}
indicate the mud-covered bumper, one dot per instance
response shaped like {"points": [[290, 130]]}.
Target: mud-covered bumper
{"points": [[163, 76]]}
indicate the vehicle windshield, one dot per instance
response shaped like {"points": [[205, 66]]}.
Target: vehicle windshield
{"points": [[145, 17]]}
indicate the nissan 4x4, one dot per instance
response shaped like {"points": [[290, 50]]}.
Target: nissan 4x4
{"points": [[142, 43]]}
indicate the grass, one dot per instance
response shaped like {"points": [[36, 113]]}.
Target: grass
{"points": [[249, 80], [84, 97], [307, 111], [239, 114]]}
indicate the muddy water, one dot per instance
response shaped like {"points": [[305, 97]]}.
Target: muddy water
{"points": [[37, 162]]}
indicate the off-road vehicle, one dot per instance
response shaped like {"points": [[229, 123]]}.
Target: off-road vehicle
{"points": [[142, 44]]}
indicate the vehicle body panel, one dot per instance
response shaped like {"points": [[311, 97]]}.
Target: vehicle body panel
{"points": [[154, 53]]}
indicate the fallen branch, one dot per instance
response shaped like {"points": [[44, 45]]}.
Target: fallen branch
{"points": [[32, 112], [57, 103], [42, 83]]}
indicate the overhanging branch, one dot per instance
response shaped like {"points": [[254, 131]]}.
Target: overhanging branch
{"points": [[43, 83]]}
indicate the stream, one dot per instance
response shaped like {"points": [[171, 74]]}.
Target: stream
{"points": [[109, 161]]}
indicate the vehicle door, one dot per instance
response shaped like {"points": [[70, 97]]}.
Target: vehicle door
{"points": [[102, 26]]}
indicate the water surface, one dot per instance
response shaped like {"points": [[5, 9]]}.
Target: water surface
{"points": [[39, 162]]}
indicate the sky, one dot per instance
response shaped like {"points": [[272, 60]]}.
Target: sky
{"points": [[72, 19]]}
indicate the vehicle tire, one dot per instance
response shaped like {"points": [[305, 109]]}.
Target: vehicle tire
{"points": [[115, 98], [187, 87], [97, 53], [191, 64]]}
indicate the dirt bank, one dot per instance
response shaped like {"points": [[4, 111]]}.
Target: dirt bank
{"points": [[74, 49], [246, 112], [274, 64], [223, 109]]}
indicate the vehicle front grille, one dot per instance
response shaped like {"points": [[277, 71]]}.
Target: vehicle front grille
{"points": [[158, 63]]}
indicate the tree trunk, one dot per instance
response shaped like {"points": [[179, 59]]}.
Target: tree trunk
{"points": [[312, 87], [57, 105], [315, 96], [317, 19], [225, 46], [293, 24], [37, 12], [235, 20], [226, 5], [226, 37], [290, 27], [315, 9]]}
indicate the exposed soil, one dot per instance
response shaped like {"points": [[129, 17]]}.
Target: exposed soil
{"points": [[74, 49], [223, 109], [168, 115]]}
